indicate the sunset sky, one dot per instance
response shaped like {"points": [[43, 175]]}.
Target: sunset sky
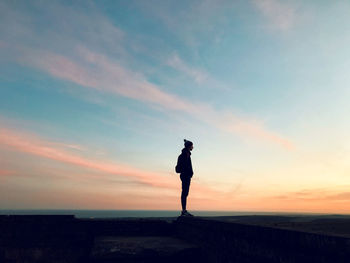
{"points": [[97, 97]]}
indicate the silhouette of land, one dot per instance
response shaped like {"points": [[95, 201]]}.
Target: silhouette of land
{"points": [[64, 238], [335, 225]]}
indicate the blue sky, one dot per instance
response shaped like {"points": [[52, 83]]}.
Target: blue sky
{"points": [[105, 92]]}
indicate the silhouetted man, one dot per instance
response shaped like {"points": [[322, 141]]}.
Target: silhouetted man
{"points": [[184, 166]]}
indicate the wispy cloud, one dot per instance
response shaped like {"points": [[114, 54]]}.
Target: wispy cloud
{"points": [[177, 63], [6, 172], [190, 24], [33, 145], [281, 14], [24, 142], [96, 71], [316, 195], [80, 56], [69, 25]]}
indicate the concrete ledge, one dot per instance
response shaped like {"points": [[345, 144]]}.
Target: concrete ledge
{"points": [[63, 239], [236, 242], [218, 240]]}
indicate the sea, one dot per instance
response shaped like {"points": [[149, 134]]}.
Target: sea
{"points": [[138, 213]]}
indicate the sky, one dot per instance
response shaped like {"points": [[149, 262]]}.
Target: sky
{"points": [[96, 98]]}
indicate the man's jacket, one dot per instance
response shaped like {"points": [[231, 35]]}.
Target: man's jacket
{"points": [[185, 163]]}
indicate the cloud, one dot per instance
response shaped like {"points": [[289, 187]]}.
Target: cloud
{"points": [[61, 26], [316, 195], [33, 145], [190, 24], [96, 71], [81, 40], [281, 14], [72, 146], [344, 196], [6, 172], [25, 142], [177, 63]]}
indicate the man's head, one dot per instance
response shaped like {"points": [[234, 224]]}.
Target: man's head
{"points": [[188, 145]]}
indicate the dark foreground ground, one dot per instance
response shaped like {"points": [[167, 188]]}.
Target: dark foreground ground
{"points": [[334, 225], [213, 239]]}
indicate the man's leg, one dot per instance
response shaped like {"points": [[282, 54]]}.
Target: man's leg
{"points": [[185, 189], [183, 202]]}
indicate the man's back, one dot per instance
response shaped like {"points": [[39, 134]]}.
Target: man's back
{"points": [[186, 163]]}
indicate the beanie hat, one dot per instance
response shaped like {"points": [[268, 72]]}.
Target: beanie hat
{"points": [[188, 143]]}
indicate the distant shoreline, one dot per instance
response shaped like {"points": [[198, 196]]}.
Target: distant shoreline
{"points": [[85, 213]]}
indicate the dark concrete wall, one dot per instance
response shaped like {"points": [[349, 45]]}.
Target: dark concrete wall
{"points": [[42, 239], [64, 238], [232, 242]]}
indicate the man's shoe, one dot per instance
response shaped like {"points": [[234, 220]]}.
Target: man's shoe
{"points": [[186, 213]]}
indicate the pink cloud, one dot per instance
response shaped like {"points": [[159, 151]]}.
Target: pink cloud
{"points": [[6, 172], [22, 197], [96, 71], [281, 14], [31, 144], [35, 146]]}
